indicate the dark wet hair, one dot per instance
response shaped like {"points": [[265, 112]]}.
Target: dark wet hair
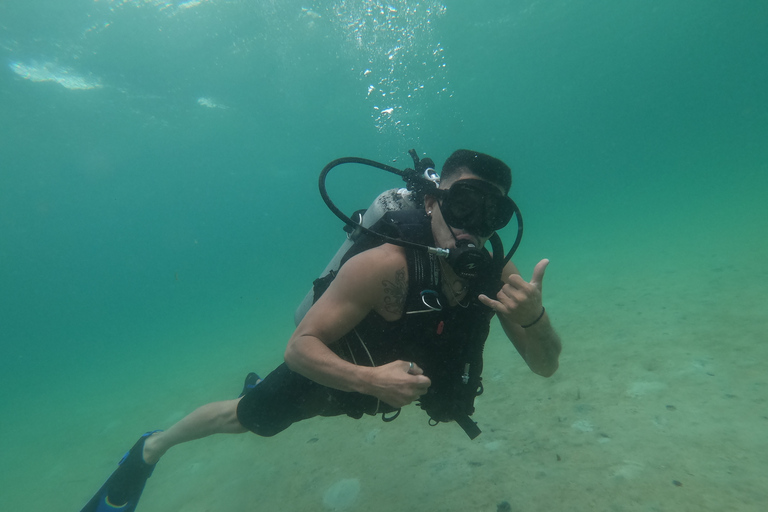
{"points": [[482, 165]]}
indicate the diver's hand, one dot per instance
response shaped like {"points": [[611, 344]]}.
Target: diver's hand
{"points": [[519, 301], [398, 383]]}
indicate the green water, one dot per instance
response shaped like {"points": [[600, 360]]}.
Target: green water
{"points": [[160, 220]]}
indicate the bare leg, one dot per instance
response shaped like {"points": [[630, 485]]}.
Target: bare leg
{"points": [[213, 418], [123, 488]]}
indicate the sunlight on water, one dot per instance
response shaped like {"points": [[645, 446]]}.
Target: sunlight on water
{"points": [[393, 48], [48, 72], [172, 8], [210, 103]]}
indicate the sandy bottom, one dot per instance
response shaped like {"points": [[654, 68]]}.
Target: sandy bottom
{"points": [[659, 405]]}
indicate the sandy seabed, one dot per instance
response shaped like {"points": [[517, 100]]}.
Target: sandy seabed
{"points": [[659, 405], [668, 414]]}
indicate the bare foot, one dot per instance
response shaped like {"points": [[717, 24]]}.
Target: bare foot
{"points": [[151, 454]]}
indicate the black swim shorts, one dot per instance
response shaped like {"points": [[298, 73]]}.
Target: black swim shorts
{"points": [[285, 397]]}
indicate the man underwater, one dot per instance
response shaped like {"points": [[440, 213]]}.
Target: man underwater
{"points": [[396, 324]]}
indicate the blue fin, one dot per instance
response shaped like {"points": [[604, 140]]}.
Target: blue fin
{"points": [[122, 490]]}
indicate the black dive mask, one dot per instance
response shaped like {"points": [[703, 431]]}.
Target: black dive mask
{"points": [[475, 206]]}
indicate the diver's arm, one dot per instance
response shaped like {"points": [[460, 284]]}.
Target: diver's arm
{"points": [[539, 345], [520, 303], [357, 290]]}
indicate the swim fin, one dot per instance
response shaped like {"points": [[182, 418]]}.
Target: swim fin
{"points": [[122, 490], [251, 380]]}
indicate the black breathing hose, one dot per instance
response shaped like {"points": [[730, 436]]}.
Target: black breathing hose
{"points": [[407, 175], [415, 182]]}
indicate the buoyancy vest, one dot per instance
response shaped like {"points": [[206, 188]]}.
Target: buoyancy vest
{"points": [[446, 342]]}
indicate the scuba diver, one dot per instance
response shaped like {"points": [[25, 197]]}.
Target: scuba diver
{"points": [[401, 315]]}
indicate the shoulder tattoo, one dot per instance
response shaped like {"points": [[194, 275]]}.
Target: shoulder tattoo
{"points": [[395, 292]]}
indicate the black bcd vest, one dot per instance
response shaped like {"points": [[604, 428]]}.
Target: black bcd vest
{"points": [[446, 342]]}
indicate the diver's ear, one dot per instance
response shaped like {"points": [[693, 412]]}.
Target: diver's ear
{"points": [[429, 203]]}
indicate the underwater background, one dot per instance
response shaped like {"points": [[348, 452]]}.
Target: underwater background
{"points": [[160, 223]]}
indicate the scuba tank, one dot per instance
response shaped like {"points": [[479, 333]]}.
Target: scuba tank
{"points": [[389, 200], [394, 199]]}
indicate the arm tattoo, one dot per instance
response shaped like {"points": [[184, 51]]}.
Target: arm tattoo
{"points": [[395, 292]]}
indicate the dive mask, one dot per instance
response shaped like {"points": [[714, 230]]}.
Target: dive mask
{"points": [[475, 206]]}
